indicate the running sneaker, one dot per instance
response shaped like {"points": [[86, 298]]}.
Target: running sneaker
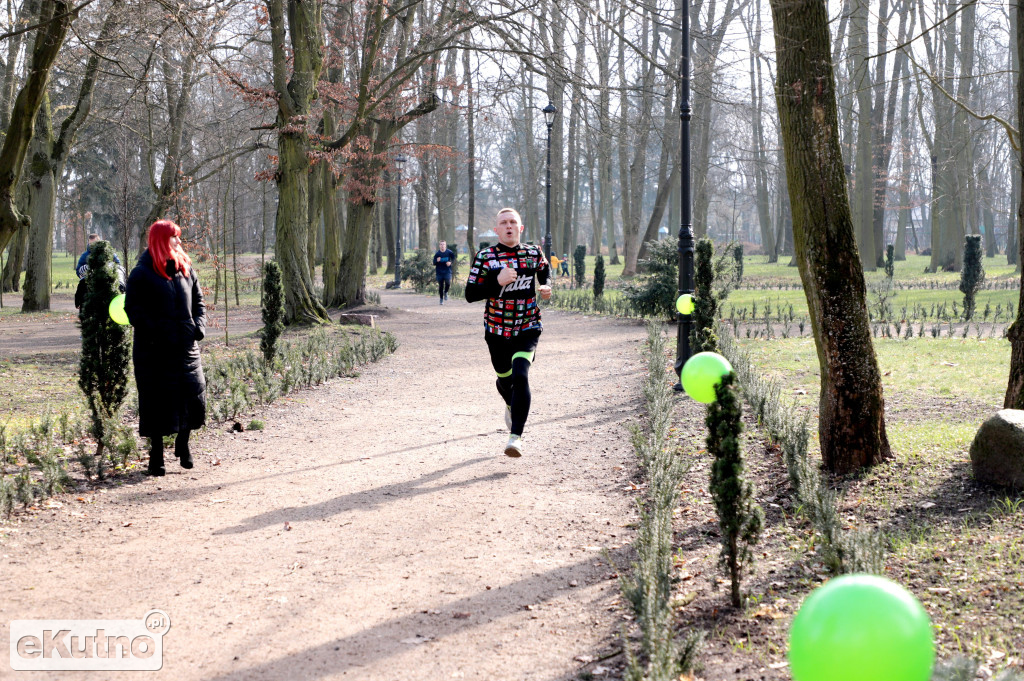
{"points": [[508, 416], [514, 448]]}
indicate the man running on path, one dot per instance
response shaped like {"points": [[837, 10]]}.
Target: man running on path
{"points": [[505, 275], [443, 260]]}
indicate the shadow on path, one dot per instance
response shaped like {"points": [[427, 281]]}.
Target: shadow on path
{"points": [[364, 500], [393, 636]]}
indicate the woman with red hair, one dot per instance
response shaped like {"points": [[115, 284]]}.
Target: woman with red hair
{"points": [[164, 303]]}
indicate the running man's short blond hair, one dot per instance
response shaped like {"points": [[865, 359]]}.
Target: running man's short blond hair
{"points": [[510, 210]]}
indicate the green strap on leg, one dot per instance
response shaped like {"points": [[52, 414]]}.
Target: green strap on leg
{"points": [[528, 356]]}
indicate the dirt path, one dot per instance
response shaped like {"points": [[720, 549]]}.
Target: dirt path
{"points": [[374, 530]]}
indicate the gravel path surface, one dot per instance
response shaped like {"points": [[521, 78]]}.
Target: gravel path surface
{"points": [[374, 529]]}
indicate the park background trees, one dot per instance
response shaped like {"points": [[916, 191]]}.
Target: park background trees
{"points": [[272, 127]]}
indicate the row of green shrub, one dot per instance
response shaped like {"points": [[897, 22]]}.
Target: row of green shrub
{"points": [[662, 656]]}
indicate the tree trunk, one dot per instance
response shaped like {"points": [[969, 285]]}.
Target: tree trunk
{"points": [[606, 218], [42, 198], [470, 157], [294, 94], [1013, 225], [1015, 385], [55, 19], [760, 162], [332, 227], [851, 424], [864, 185], [15, 262]]}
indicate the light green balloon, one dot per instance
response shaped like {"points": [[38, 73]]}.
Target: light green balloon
{"points": [[861, 628], [684, 304], [702, 373], [116, 310]]}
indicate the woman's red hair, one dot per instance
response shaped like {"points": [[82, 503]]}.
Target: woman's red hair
{"points": [[160, 233]]}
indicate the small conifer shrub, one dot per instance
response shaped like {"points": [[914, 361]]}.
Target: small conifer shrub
{"points": [[273, 311], [103, 367], [739, 516], [973, 274], [599, 276], [579, 264]]}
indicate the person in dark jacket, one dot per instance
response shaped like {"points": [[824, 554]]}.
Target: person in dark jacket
{"points": [[443, 259], [164, 303]]}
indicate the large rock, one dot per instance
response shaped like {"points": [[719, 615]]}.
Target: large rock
{"points": [[997, 453]]}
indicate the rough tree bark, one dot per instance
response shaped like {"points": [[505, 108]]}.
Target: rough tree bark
{"points": [[48, 155], [1015, 385], [56, 16], [294, 94], [851, 424]]}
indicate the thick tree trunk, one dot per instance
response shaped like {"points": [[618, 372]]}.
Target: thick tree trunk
{"points": [[292, 227], [14, 261], [1015, 385], [294, 93], [1012, 223], [42, 193], [851, 424], [55, 17], [353, 260]]}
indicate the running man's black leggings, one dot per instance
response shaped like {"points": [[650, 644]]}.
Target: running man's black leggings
{"points": [[443, 285], [511, 359]]}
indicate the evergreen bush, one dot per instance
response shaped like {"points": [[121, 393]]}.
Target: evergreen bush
{"points": [[737, 255], [273, 311], [103, 368], [579, 259], [890, 264], [419, 269], [648, 586], [713, 280], [655, 294], [599, 276], [740, 518], [972, 276]]}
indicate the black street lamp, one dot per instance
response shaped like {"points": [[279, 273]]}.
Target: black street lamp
{"points": [[549, 120], [399, 162], [686, 221]]}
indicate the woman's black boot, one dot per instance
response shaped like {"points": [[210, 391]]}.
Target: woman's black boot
{"points": [[156, 457], [181, 449]]}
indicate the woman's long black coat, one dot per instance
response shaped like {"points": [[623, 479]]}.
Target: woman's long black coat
{"points": [[169, 317]]}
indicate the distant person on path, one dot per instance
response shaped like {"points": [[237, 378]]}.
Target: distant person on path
{"points": [[506, 275], [564, 264], [165, 305], [444, 258], [555, 262], [82, 269]]}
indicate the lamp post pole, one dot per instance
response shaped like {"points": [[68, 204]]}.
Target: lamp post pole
{"points": [[549, 120], [686, 221], [399, 162]]}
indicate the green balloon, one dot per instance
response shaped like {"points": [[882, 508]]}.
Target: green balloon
{"points": [[684, 304], [861, 628], [116, 310], [702, 373]]}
